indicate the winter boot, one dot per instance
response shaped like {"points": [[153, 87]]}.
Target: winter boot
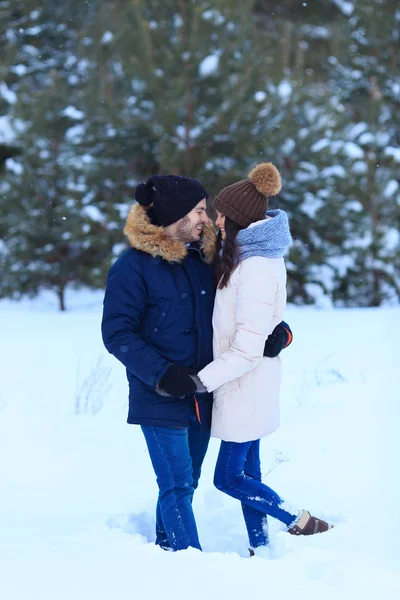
{"points": [[309, 525]]}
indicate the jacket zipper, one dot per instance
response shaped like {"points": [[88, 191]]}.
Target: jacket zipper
{"points": [[196, 405]]}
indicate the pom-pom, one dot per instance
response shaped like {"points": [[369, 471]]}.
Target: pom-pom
{"points": [[266, 178], [144, 193]]}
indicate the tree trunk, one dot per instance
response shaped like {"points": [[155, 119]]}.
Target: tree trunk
{"points": [[61, 297], [376, 287]]}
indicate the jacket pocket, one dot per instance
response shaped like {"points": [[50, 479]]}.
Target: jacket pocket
{"points": [[158, 316], [231, 387]]}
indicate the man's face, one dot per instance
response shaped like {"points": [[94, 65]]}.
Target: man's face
{"points": [[190, 227]]}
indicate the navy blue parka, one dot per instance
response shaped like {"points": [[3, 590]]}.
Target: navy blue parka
{"points": [[158, 311]]}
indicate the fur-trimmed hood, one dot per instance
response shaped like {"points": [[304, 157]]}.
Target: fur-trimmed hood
{"points": [[149, 238]]}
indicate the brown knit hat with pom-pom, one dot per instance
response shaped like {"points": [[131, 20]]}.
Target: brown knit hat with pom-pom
{"points": [[247, 201]]}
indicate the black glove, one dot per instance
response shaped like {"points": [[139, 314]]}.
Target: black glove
{"points": [[280, 338], [176, 381]]}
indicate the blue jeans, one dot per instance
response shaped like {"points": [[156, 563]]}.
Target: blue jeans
{"points": [[238, 474], [177, 454]]}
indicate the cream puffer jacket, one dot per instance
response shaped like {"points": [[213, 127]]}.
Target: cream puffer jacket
{"points": [[245, 383]]}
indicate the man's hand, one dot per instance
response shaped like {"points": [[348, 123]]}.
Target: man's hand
{"points": [[280, 338], [177, 381]]}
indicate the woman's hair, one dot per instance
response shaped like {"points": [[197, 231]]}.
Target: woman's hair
{"points": [[226, 257]]}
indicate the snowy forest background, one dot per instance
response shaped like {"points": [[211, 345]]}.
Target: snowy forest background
{"points": [[97, 95]]}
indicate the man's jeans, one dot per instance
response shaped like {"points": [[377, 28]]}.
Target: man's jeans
{"points": [[238, 474], [177, 454]]}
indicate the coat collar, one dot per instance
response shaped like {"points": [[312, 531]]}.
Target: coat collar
{"points": [[149, 238]]}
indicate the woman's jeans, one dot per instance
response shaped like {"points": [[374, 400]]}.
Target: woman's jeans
{"points": [[238, 474], [177, 454]]}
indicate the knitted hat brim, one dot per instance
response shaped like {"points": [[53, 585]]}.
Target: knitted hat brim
{"points": [[234, 201], [229, 211]]}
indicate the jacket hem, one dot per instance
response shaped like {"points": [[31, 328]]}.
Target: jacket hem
{"points": [[158, 422]]}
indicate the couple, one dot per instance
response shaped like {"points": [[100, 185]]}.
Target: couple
{"points": [[188, 314]]}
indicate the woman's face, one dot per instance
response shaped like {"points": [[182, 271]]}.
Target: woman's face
{"points": [[220, 222]]}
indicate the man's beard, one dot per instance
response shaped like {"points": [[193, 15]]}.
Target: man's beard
{"points": [[186, 232]]}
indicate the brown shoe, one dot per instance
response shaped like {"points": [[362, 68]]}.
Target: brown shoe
{"points": [[309, 525]]}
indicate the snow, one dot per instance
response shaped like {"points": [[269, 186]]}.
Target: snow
{"points": [[342, 263], [288, 146], [177, 21], [311, 204], [391, 241], [11, 36], [391, 188], [118, 249], [19, 70], [7, 133], [333, 171], [285, 90], [317, 32], [383, 138], [367, 138], [320, 145], [107, 37], [87, 159], [31, 50], [92, 211], [357, 129], [36, 30], [352, 150], [347, 8], [260, 96], [73, 113], [88, 197], [360, 167], [110, 131], [394, 152], [75, 134], [78, 492], [354, 205], [209, 65], [83, 64], [356, 74], [362, 241], [214, 16], [8, 95], [307, 171], [14, 166]]}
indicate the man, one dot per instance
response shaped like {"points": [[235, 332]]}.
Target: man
{"points": [[157, 321]]}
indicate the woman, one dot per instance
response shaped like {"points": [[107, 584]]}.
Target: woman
{"points": [[250, 301]]}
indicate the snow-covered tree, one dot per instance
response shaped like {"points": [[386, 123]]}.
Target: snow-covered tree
{"points": [[368, 143], [97, 96], [53, 235]]}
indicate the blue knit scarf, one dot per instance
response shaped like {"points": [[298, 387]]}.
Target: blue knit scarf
{"points": [[270, 238]]}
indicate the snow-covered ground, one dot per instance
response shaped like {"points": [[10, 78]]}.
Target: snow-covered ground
{"points": [[77, 491]]}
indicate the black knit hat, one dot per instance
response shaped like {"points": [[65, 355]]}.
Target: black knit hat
{"points": [[171, 196]]}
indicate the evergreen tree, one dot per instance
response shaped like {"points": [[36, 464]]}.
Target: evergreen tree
{"points": [[54, 236], [100, 95], [304, 112], [368, 144]]}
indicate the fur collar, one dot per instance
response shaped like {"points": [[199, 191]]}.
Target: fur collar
{"points": [[151, 239]]}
